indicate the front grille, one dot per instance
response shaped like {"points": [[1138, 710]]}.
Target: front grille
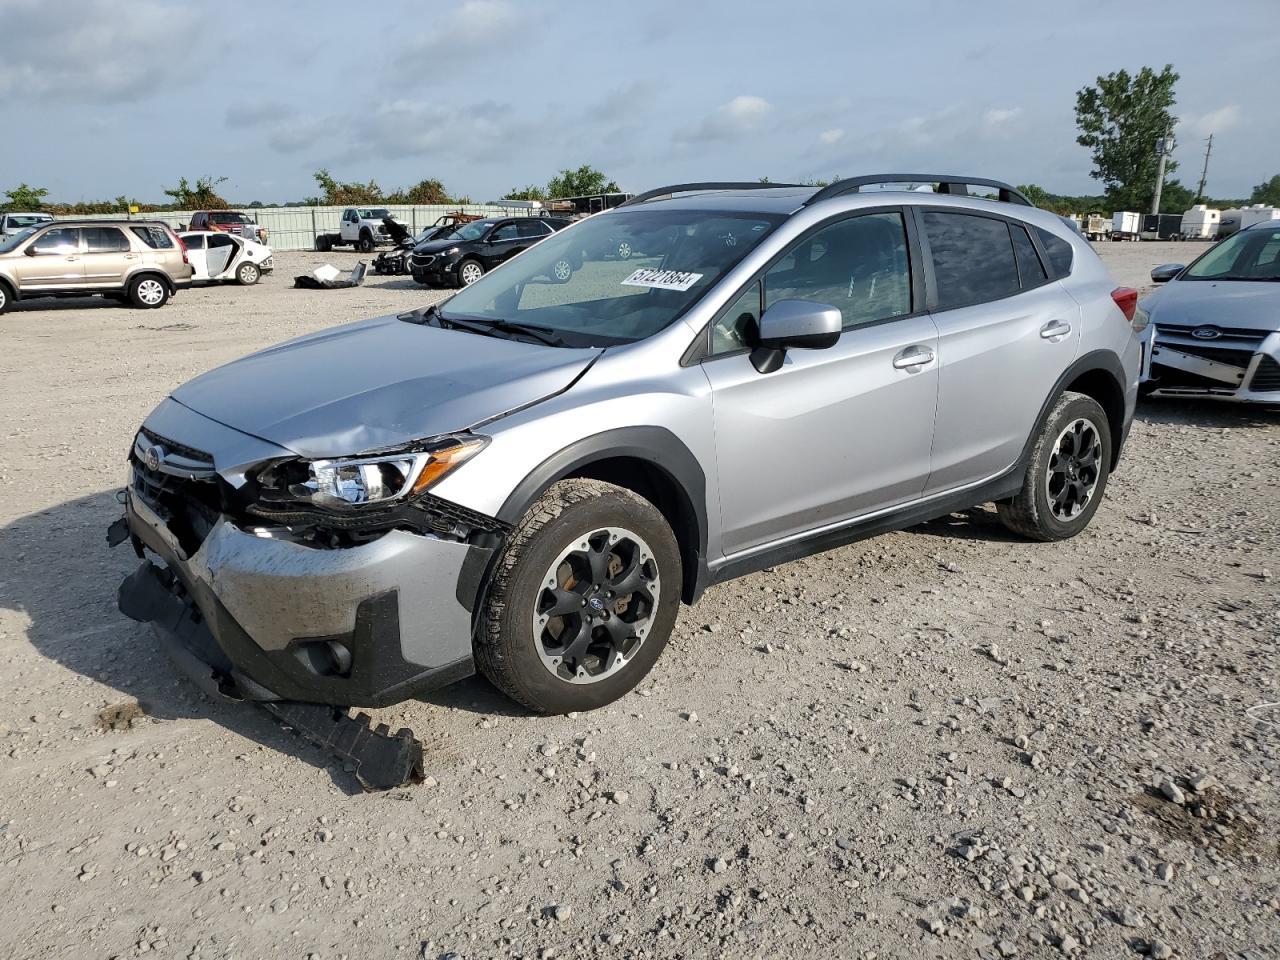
{"points": [[181, 449], [423, 260], [1178, 330], [1267, 376]]}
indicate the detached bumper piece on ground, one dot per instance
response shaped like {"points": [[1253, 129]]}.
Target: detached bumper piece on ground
{"points": [[379, 759], [326, 278]]}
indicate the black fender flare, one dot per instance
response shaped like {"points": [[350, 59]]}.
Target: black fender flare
{"points": [[1105, 361], [656, 446]]}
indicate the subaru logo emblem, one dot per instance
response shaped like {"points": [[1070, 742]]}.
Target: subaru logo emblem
{"points": [[1206, 333], [153, 456], [596, 603]]}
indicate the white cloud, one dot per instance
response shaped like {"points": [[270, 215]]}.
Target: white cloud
{"points": [[828, 137], [467, 29], [96, 51], [742, 115], [997, 116], [1215, 121]]}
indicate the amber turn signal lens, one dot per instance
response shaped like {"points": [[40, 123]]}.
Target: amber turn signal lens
{"points": [[444, 461]]}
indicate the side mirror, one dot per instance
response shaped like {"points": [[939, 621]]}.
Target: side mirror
{"points": [[1166, 272], [30, 251], [794, 324]]}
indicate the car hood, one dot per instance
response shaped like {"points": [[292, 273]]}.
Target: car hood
{"points": [[1247, 304], [378, 384], [439, 246]]}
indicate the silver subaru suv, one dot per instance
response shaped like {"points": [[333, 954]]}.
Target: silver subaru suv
{"points": [[530, 477]]}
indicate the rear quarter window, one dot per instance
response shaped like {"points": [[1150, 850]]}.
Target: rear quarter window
{"points": [[157, 238], [1058, 250], [973, 260]]}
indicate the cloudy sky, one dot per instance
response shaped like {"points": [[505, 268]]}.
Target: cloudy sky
{"points": [[100, 98]]}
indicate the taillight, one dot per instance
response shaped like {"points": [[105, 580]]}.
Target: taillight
{"points": [[182, 245], [1126, 299]]}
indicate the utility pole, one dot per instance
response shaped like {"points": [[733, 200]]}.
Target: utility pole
{"points": [[1204, 174], [1164, 147]]}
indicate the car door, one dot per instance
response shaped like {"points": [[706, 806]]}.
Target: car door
{"points": [[196, 255], [504, 241], [107, 256], [220, 250], [836, 433], [1006, 332], [54, 259]]}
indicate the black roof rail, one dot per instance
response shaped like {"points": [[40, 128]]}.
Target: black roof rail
{"points": [[946, 184], [712, 185]]}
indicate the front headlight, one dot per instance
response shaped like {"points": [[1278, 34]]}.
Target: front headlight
{"points": [[1140, 319], [358, 481], [452, 251]]}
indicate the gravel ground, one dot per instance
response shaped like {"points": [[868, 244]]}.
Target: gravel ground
{"points": [[944, 742]]}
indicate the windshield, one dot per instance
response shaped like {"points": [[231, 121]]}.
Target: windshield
{"points": [[29, 221], [617, 277], [466, 231], [11, 241], [1248, 255], [377, 213], [229, 218]]}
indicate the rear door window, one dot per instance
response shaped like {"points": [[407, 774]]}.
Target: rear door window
{"points": [[104, 240], [973, 259], [531, 228]]}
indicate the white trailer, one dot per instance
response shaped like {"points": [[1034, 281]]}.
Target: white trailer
{"points": [[1126, 225], [1095, 226], [1238, 218], [1201, 222]]}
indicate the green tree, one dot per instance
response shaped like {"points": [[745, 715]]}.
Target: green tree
{"points": [[1268, 193], [24, 197], [424, 191], [584, 182], [1037, 194], [202, 196], [1176, 198], [531, 192], [1120, 120], [337, 194]]}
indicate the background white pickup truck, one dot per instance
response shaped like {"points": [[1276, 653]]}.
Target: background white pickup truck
{"points": [[361, 227]]}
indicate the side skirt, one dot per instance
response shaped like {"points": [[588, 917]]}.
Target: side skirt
{"points": [[1001, 488]]}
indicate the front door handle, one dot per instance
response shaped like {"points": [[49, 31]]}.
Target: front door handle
{"points": [[912, 357], [1055, 330]]}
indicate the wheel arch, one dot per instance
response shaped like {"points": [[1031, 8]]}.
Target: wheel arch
{"points": [[10, 287], [150, 271], [1100, 375], [649, 461]]}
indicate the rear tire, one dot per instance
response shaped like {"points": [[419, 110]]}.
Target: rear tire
{"points": [[6, 298], [148, 292], [579, 539], [323, 243], [1066, 475], [247, 274]]}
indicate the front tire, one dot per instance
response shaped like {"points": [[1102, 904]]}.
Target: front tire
{"points": [[469, 271], [582, 600], [148, 292], [247, 274], [1066, 475], [6, 298], [366, 242]]}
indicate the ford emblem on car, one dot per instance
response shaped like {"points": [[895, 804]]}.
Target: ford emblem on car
{"points": [[1206, 333], [153, 456]]}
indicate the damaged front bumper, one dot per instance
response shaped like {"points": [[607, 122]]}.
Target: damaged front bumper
{"points": [[1207, 361]]}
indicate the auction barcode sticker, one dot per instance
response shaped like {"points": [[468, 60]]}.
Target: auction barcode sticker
{"points": [[662, 279]]}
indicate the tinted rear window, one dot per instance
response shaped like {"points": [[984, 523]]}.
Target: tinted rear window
{"points": [[1059, 251], [973, 259], [157, 238], [104, 240]]}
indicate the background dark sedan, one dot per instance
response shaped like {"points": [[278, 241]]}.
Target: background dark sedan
{"points": [[466, 253]]}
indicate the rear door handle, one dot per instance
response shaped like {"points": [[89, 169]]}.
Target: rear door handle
{"points": [[1055, 330], [911, 357]]}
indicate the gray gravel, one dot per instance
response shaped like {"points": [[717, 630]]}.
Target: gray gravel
{"points": [[944, 742]]}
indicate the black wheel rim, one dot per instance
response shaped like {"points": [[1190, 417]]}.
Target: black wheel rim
{"points": [[1075, 466], [595, 606]]}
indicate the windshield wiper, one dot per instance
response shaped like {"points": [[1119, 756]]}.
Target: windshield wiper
{"points": [[489, 327]]}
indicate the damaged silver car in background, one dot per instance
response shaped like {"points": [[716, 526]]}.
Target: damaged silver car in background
{"points": [[1213, 330]]}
